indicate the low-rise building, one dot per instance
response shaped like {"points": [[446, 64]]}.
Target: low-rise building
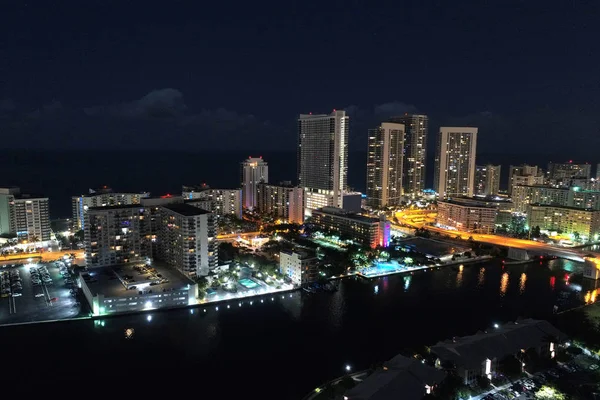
{"points": [[283, 201], [101, 197], [569, 220], [128, 288], [299, 266], [372, 232], [479, 354], [114, 235], [466, 216], [187, 239], [399, 378]]}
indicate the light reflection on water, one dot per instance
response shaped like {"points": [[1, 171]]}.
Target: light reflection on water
{"points": [[504, 284], [481, 277], [522, 282]]}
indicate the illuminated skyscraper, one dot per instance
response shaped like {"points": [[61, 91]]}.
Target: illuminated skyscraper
{"points": [[415, 152], [384, 165], [487, 179], [323, 158], [254, 171], [455, 161]]}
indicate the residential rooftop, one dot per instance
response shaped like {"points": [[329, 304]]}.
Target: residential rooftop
{"points": [[338, 212], [507, 339], [107, 281], [185, 209], [400, 375]]}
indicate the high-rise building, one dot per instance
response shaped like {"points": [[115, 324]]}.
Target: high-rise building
{"points": [[24, 215], [254, 171], [101, 197], [114, 235], [415, 152], [281, 201], [220, 202], [8, 221], [152, 222], [524, 175], [323, 158], [384, 165], [561, 171], [455, 162], [487, 179], [598, 171], [187, 239]]}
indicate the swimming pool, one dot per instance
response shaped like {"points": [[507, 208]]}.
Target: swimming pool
{"points": [[383, 268], [248, 283]]}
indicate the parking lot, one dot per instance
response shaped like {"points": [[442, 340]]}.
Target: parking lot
{"points": [[38, 292], [582, 372]]}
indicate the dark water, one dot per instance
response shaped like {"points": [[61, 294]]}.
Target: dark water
{"points": [[60, 175], [284, 348]]}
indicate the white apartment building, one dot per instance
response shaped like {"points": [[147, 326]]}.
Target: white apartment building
{"points": [[254, 171], [385, 161], [220, 202], [568, 220], [455, 162], [467, 217], [524, 175], [522, 196], [24, 215], [299, 266], [187, 239], [323, 158], [101, 197], [114, 235]]}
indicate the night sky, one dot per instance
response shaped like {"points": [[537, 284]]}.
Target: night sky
{"points": [[203, 75]]}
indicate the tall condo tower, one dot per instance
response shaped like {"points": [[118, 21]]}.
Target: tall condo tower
{"points": [[415, 152], [384, 165], [323, 158], [455, 161], [254, 171]]}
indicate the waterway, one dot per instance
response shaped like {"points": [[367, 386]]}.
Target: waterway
{"points": [[282, 347]]}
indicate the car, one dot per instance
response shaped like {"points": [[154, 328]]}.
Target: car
{"points": [[17, 294], [39, 295]]}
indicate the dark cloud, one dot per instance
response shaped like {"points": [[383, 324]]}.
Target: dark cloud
{"points": [[158, 120], [163, 103]]}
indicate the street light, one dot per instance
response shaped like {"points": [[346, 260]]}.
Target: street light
{"points": [[348, 367], [496, 326]]}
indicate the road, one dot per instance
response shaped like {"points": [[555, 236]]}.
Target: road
{"points": [[236, 235], [534, 247]]}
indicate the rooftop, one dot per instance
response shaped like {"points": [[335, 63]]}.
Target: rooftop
{"points": [[507, 339], [345, 214], [470, 202], [404, 375], [185, 209], [105, 280], [116, 207]]}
